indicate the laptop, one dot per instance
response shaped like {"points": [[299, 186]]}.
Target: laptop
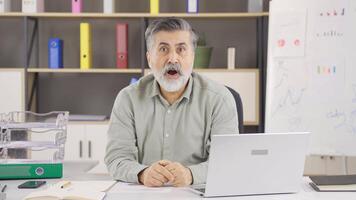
{"points": [[254, 164]]}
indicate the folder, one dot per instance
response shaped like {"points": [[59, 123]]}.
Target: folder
{"points": [[154, 7], [85, 46], [55, 53], [77, 6], [192, 6], [121, 46], [32, 6], [109, 6], [5, 6]]}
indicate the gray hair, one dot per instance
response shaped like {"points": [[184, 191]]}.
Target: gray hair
{"points": [[169, 24]]}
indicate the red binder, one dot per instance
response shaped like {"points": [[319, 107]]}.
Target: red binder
{"points": [[121, 46]]}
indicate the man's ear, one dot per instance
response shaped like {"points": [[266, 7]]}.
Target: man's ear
{"points": [[148, 56]]}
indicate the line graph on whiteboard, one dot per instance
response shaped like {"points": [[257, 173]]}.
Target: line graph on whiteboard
{"points": [[343, 121], [290, 104]]}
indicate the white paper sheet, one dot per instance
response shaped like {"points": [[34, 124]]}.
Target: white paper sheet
{"points": [[122, 187]]}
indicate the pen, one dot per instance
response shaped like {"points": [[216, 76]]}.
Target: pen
{"points": [[65, 184], [3, 188]]}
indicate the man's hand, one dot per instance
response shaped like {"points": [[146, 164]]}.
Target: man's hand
{"points": [[156, 175], [182, 174]]}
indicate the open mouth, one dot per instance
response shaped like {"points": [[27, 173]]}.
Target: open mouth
{"points": [[172, 72]]}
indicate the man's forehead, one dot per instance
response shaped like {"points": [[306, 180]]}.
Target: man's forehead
{"points": [[172, 37]]}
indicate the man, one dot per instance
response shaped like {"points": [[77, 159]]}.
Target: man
{"points": [[161, 126]]}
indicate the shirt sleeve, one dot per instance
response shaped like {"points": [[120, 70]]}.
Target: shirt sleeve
{"points": [[121, 151], [224, 121]]}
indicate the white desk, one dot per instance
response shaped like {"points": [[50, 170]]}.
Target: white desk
{"points": [[76, 171]]}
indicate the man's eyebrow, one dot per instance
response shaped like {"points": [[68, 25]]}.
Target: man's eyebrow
{"points": [[163, 43], [181, 44]]}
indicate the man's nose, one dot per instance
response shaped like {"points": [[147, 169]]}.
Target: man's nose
{"points": [[173, 57]]}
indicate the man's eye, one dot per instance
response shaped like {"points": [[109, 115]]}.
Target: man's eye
{"points": [[163, 49], [181, 49]]}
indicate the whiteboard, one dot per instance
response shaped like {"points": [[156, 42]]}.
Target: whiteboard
{"points": [[311, 74], [12, 87], [245, 82]]}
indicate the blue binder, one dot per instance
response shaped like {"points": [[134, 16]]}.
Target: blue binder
{"points": [[55, 53]]}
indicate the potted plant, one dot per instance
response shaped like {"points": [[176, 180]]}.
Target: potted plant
{"points": [[202, 53]]}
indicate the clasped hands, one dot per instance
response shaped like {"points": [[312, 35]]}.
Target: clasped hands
{"points": [[166, 172]]}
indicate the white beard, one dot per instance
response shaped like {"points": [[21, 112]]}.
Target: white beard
{"points": [[171, 85]]}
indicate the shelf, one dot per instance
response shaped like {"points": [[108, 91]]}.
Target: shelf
{"points": [[77, 70], [125, 71], [133, 15], [34, 145], [105, 122]]}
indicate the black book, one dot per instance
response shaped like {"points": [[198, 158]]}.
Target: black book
{"points": [[339, 183]]}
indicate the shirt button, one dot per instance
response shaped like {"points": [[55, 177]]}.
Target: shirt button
{"points": [[167, 135], [169, 111]]}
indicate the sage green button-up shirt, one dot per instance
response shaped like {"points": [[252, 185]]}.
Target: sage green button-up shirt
{"points": [[145, 128]]}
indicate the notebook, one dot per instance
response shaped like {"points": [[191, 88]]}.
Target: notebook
{"points": [[340, 183], [75, 190]]}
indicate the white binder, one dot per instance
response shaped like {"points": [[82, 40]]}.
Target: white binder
{"points": [[32, 6], [5, 6], [109, 6], [192, 6]]}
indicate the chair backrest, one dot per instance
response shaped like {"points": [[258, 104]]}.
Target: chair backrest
{"points": [[239, 108]]}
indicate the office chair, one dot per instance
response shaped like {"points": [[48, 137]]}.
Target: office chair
{"points": [[239, 108]]}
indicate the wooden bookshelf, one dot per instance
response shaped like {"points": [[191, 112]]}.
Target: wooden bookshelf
{"points": [[133, 15], [77, 70]]}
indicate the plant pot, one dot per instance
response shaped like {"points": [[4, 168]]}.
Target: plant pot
{"points": [[202, 56]]}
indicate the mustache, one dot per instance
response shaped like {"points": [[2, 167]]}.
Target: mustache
{"points": [[176, 67]]}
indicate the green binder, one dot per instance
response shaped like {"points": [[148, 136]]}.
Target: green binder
{"points": [[31, 170]]}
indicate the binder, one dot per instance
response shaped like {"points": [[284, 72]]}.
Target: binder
{"points": [[85, 46], [5, 6], [77, 6], [154, 7], [121, 46], [55, 53], [109, 6], [192, 6], [31, 170], [32, 6]]}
